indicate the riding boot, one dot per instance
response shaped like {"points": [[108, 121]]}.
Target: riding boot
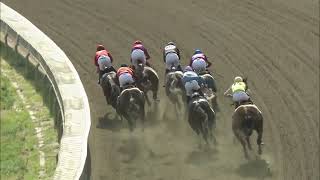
{"points": [[148, 64], [236, 105], [100, 75]]}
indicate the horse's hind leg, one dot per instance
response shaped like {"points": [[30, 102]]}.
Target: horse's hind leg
{"points": [[142, 118], [248, 142], [259, 142], [241, 138], [155, 95], [147, 98], [259, 139]]}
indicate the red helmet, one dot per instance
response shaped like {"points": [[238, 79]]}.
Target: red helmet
{"points": [[100, 47], [137, 42]]}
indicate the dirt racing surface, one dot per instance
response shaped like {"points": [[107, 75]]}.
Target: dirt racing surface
{"points": [[275, 43]]}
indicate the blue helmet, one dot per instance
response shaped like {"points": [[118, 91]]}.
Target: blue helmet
{"points": [[197, 51]]}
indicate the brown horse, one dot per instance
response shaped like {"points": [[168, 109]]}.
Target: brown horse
{"points": [[130, 105], [247, 118], [110, 89], [147, 80]]}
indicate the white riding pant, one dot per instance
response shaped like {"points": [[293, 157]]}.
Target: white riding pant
{"points": [[125, 78], [199, 65], [191, 86], [240, 96], [172, 59], [104, 62], [136, 55]]}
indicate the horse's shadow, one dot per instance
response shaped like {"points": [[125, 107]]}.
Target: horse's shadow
{"points": [[110, 121], [254, 168], [202, 156]]}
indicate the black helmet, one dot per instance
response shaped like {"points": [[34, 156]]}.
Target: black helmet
{"points": [[124, 65], [171, 43], [100, 47]]}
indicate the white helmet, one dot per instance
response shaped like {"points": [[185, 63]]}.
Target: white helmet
{"points": [[238, 79]]}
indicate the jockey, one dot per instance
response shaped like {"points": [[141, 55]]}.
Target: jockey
{"points": [[125, 76], [171, 56], [103, 61], [239, 91], [199, 61], [192, 82], [139, 52]]}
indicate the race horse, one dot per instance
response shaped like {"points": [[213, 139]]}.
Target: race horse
{"points": [[245, 119], [210, 89], [174, 87], [147, 80], [201, 117], [110, 89], [130, 105]]}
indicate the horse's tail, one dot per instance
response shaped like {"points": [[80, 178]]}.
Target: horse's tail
{"points": [[201, 114]]}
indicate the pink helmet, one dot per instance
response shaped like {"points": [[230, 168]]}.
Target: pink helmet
{"points": [[188, 68]]}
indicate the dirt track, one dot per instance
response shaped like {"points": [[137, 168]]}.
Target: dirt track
{"points": [[273, 42]]}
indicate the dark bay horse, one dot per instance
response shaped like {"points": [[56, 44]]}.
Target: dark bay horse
{"points": [[147, 80], [201, 117], [130, 105], [247, 118], [110, 89], [210, 89]]}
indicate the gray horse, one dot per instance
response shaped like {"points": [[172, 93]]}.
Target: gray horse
{"points": [[130, 105], [110, 89], [174, 86], [147, 80], [201, 117], [247, 118]]}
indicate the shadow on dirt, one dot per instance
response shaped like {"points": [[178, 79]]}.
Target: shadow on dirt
{"points": [[201, 157], [110, 121], [130, 149], [255, 168]]}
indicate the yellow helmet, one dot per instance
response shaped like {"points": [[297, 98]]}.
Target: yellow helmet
{"points": [[238, 79]]}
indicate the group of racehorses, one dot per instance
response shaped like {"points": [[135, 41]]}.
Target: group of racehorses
{"points": [[201, 108]]}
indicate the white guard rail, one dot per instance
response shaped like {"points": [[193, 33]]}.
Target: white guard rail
{"points": [[27, 40]]}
